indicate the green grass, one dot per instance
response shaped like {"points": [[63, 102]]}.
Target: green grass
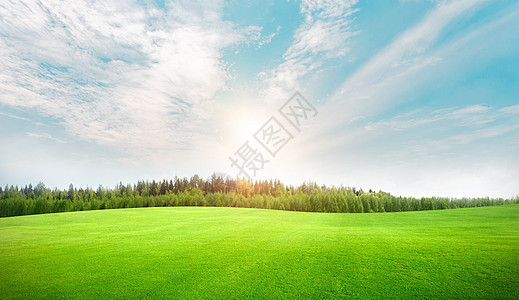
{"points": [[195, 252]]}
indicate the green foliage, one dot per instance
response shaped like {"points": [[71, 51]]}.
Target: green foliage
{"points": [[221, 192], [229, 253]]}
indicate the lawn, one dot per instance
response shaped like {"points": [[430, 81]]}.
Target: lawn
{"points": [[208, 252]]}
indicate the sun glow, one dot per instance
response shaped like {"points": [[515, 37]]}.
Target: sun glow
{"points": [[241, 119]]}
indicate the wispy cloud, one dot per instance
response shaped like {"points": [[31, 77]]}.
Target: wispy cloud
{"points": [[45, 136], [411, 52], [118, 74], [256, 37], [512, 110], [425, 133], [398, 68], [324, 35], [472, 115], [14, 116], [367, 138]]}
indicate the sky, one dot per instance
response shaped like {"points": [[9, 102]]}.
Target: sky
{"points": [[412, 97]]}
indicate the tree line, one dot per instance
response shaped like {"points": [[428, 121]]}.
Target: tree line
{"points": [[223, 192]]}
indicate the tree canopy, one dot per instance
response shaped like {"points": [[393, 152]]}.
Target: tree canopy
{"points": [[220, 191]]}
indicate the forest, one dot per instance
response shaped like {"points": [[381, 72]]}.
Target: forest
{"points": [[222, 192]]}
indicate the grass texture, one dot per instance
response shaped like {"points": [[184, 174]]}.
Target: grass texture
{"points": [[223, 253]]}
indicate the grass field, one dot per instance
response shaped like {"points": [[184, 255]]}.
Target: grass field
{"points": [[186, 252]]}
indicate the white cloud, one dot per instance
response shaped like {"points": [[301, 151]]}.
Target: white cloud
{"points": [[432, 134], [14, 116], [256, 38], [324, 35], [513, 109], [484, 133], [116, 73], [472, 115], [265, 39], [45, 136], [397, 68], [403, 57], [414, 153]]}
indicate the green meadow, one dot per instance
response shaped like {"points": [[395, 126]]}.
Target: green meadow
{"points": [[222, 253]]}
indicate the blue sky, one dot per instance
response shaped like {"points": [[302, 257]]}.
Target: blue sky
{"points": [[417, 98]]}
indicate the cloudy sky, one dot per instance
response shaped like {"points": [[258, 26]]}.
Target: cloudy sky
{"points": [[413, 97]]}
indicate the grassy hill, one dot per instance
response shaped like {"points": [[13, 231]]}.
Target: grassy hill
{"points": [[236, 253]]}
